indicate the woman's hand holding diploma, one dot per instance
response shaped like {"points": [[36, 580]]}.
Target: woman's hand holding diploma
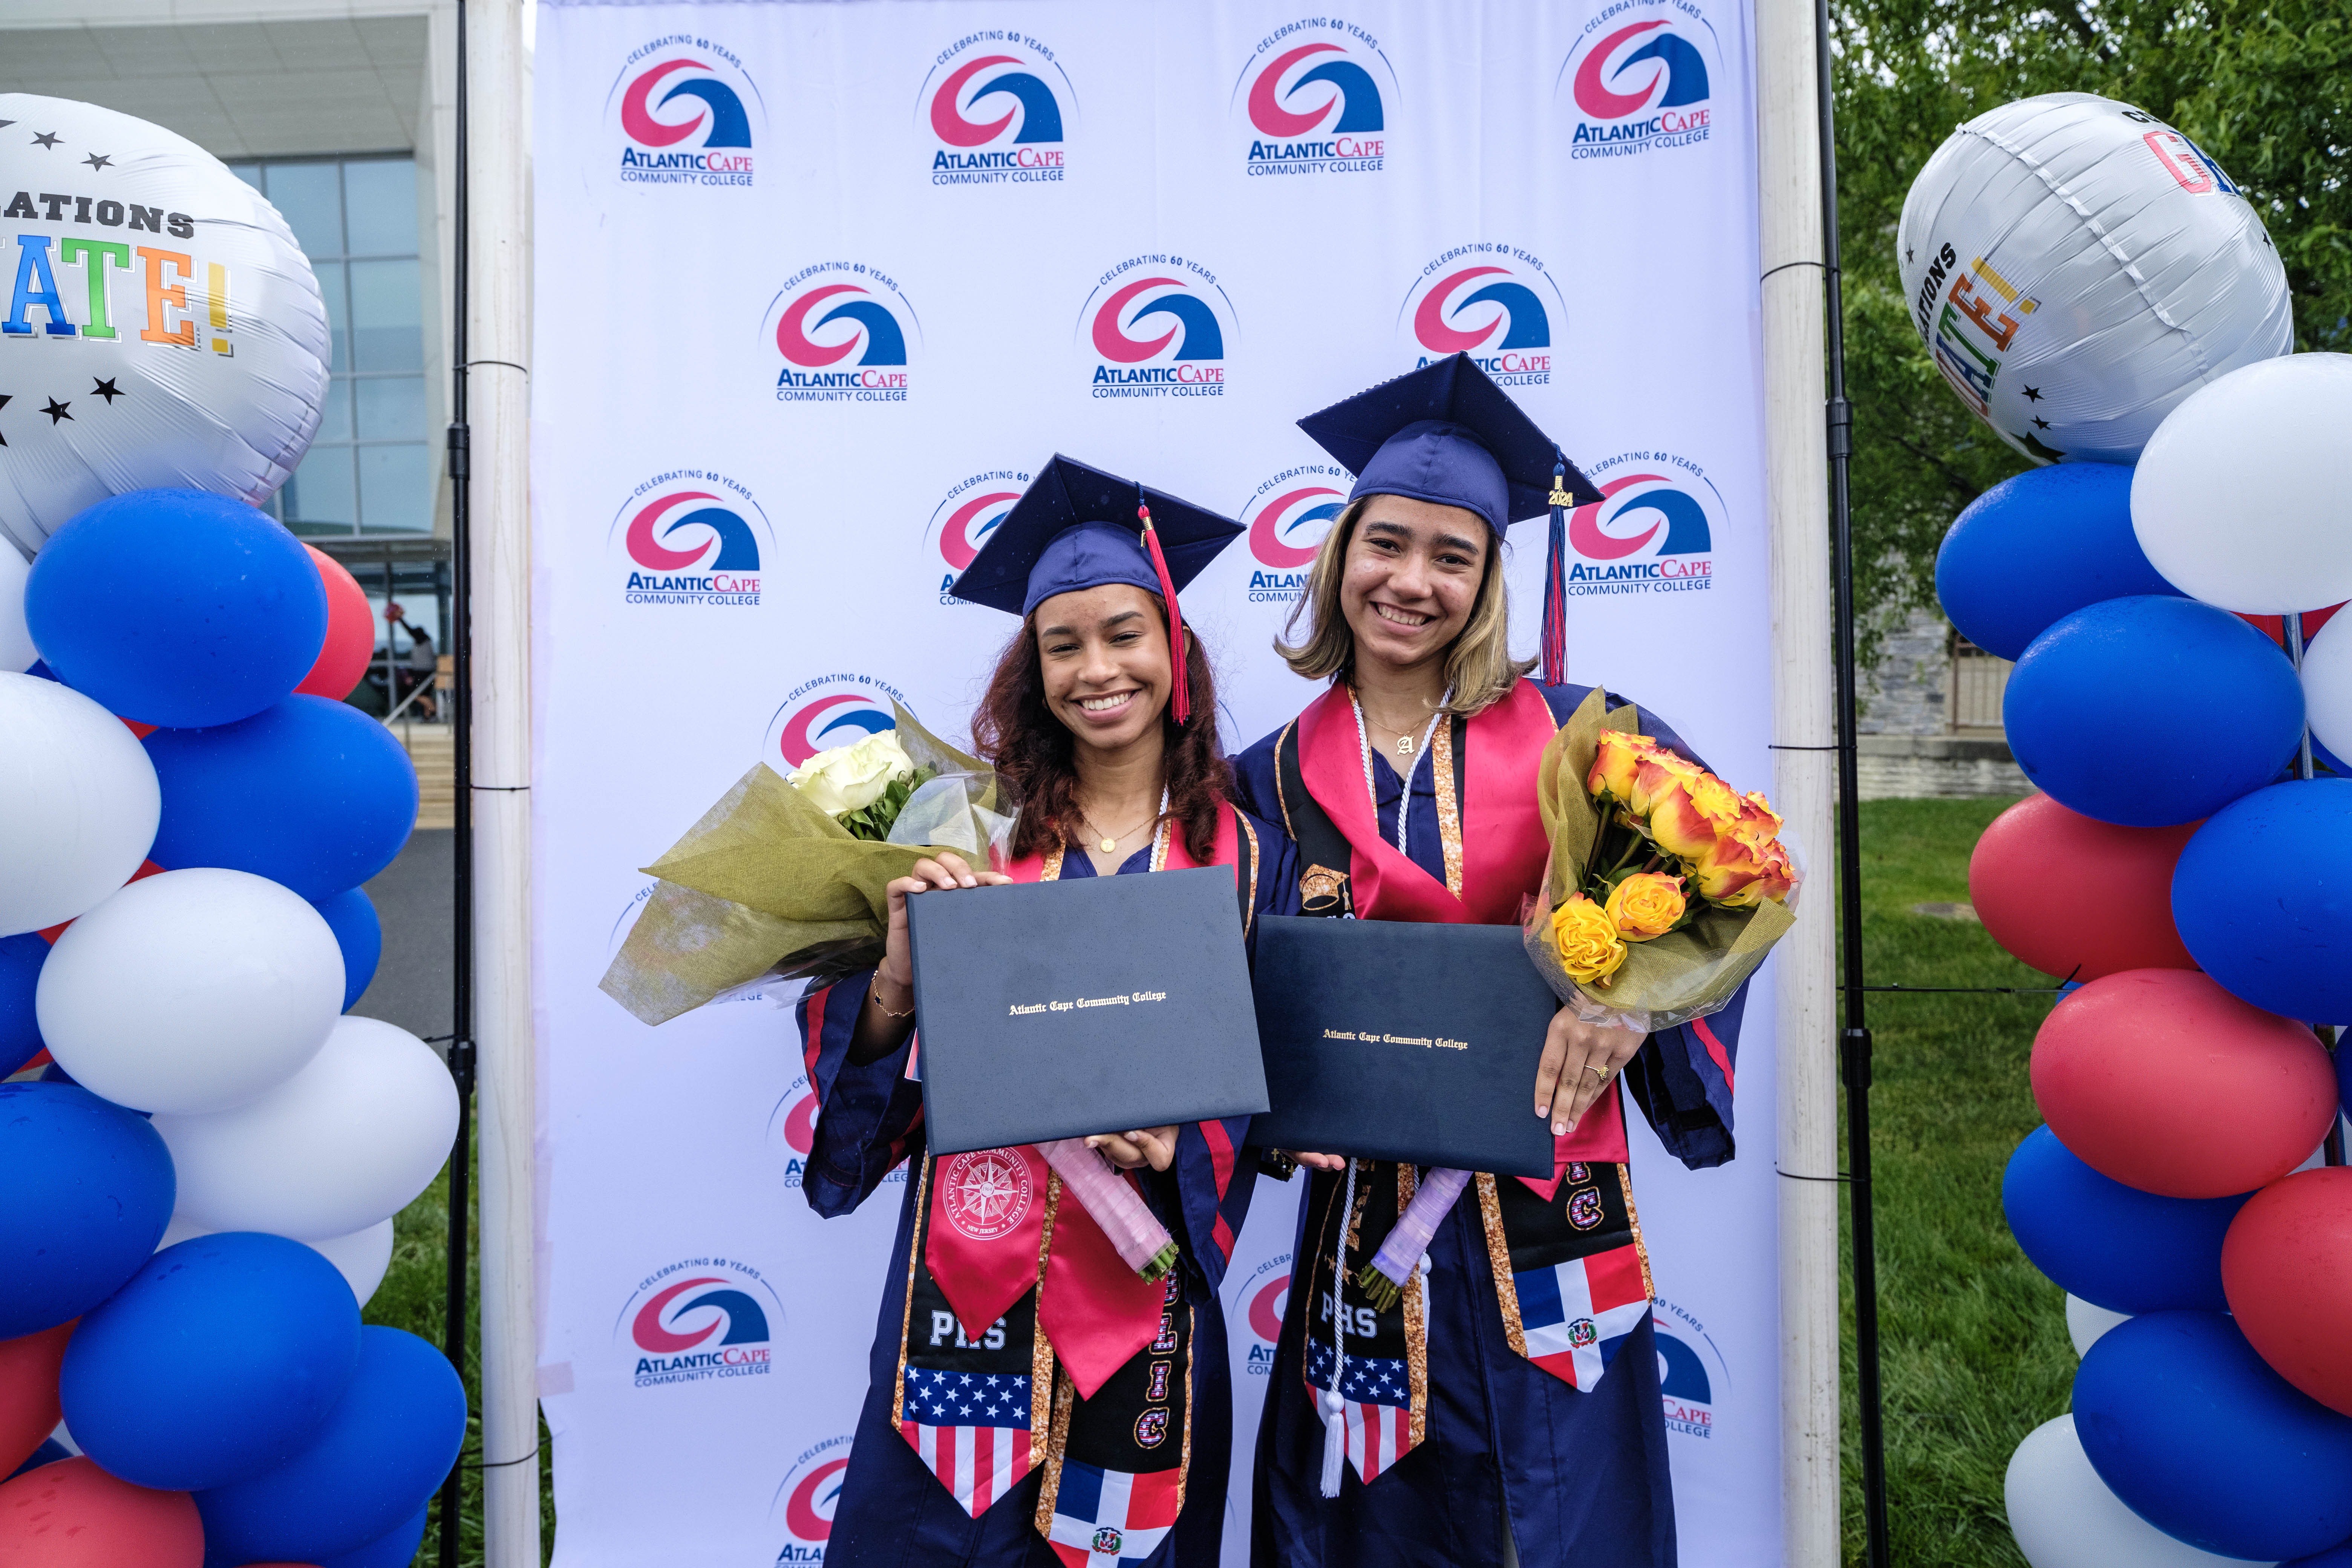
{"points": [[887, 1017]]}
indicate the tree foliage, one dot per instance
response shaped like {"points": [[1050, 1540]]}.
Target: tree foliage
{"points": [[2262, 86]]}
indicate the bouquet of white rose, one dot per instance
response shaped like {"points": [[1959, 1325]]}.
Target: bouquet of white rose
{"points": [[786, 878]]}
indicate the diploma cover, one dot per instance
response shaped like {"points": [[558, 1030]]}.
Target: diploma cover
{"points": [[1400, 1041], [1057, 1009]]}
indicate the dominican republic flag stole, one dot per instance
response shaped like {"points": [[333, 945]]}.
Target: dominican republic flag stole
{"points": [[1571, 1272], [1379, 1360]]}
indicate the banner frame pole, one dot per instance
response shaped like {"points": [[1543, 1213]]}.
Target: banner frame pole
{"points": [[1796, 481]]}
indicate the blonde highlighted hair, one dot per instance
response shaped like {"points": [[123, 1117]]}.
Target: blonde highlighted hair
{"points": [[1479, 668]]}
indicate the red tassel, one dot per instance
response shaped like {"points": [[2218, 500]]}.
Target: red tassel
{"points": [[1180, 696]]}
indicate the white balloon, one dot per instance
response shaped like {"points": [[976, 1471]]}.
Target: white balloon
{"points": [[228, 398], [2085, 1324], [342, 1145], [2076, 268], [2327, 685], [2064, 1516], [362, 1256], [191, 991], [17, 653], [79, 802], [2240, 500]]}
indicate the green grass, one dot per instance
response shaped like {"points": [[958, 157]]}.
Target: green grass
{"points": [[1974, 1346], [414, 1296], [1974, 1339]]}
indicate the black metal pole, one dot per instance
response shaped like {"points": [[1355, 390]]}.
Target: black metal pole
{"points": [[1853, 1039], [460, 637]]}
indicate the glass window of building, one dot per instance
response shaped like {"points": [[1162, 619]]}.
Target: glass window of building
{"points": [[369, 469]]}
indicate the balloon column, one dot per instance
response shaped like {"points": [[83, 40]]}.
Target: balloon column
{"points": [[200, 1181], [2188, 861]]}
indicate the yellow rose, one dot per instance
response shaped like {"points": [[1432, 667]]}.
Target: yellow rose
{"points": [[1646, 904], [1586, 940], [851, 778]]}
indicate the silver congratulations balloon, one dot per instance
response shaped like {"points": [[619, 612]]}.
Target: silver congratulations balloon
{"points": [[162, 327], [2077, 268]]}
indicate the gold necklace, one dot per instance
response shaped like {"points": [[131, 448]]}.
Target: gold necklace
{"points": [[1404, 741], [1110, 844]]}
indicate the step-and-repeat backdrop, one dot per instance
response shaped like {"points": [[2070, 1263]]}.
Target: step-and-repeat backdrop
{"points": [[818, 288]]}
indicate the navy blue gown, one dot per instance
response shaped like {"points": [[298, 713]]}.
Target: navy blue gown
{"points": [[1581, 1475], [892, 1509]]}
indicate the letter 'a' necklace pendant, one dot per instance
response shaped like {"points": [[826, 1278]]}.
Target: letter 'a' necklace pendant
{"points": [[1404, 746]]}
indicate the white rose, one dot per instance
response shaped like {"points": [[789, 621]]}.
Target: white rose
{"points": [[851, 778]]}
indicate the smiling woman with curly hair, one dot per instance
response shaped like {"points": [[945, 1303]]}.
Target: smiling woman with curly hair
{"points": [[1106, 1415]]}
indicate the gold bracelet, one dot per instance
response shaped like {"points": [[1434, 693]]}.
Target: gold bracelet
{"points": [[875, 992]]}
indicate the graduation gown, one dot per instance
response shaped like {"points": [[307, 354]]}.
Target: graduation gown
{"points": [[1580, 1473], [892, 1508]]}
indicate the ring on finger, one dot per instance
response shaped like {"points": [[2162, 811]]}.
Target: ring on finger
{"points": [[1596, 1072]]}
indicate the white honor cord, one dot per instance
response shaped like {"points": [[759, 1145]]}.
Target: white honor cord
{"points": [[1335, 1401], [1404, 801], [1159, 833]]}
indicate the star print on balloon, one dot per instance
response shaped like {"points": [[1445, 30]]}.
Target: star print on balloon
{"points": [[167, 292]]}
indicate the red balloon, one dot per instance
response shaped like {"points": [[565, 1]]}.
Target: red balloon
{"points": [[2287, 1269], [28, 1392], [2162, 1080], [2075, 897], [72, 1514], [350, 632], [2275, 627]]}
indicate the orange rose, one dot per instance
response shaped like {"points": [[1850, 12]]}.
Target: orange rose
{"points": [[1690, 818], [1660, 771], [1586, 940], [1615, 764], [1646, 904], [1729, 873]]}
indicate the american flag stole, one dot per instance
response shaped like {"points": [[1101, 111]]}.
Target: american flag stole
{"points": [[1572, 1274], [968, 1407], [1115, 1464], [1384, 1375]]}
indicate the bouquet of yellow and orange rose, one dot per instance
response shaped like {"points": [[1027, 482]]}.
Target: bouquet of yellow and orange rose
{"points": [[1665, 888]]}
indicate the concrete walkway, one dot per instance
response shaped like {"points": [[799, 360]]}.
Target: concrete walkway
{"points": [[413, 899]]}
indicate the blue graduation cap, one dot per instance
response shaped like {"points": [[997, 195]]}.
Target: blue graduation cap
{"points": [[1447, 434], [1077, 526]]}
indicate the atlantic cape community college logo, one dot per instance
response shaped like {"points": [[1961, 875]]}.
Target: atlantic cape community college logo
{"points": [[697, 1319], [1262, 1299], [684, 106], [1156, 326], [1692, 1375], [842, 329], [1287, 516], [828, 711], [689, 536], [810, 1490], [1638, 79], [1311, 93], [1494, 302], [965, 517], [993, 112], [1653, 529]]}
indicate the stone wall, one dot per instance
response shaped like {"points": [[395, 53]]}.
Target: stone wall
{"points": [[1909, 749]]}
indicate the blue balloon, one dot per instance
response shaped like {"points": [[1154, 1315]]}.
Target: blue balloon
{"points": [[49, 1453], [86, 1189], [2263, 896], [2333, 1557], [220, 1360], [2037, 547], [21, 958], [351, 915], [382, 1453], [2114, 1246], [393, 1550], [176, 608], [2197, 1436], [2147, 711], [310, 792]]}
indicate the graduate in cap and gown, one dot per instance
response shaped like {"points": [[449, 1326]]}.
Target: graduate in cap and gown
{"points": [[1033, 1400], [1504, 1405]]}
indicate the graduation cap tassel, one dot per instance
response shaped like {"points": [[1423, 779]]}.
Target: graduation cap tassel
{"points": [[1555, 604], [1179, 696]]}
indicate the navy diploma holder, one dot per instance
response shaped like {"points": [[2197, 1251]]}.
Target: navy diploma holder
{"points": [[1059, 1009], [1395, 1041]]}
